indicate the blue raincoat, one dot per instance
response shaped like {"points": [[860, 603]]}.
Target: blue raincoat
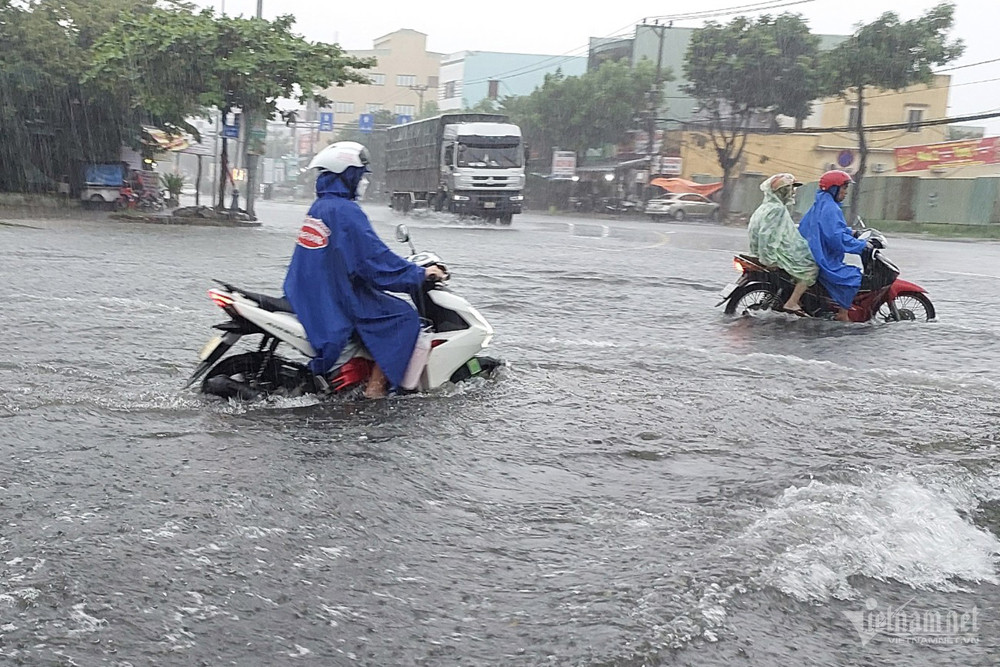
{"points": [[337, 283], [829, 238]]}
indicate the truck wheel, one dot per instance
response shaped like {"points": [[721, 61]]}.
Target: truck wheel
{"points": [[506, 219]]}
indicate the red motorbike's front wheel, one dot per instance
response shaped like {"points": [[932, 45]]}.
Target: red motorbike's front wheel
{"points": [[907, 306]]}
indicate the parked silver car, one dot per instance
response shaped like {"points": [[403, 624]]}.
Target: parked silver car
{"points": [[681, 205]]}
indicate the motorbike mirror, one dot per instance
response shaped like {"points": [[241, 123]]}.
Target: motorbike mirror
{"points": [[859, 222], [403, 236]]}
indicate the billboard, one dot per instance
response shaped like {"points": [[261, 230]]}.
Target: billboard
{"points": [[948, 154], [563, 164]]}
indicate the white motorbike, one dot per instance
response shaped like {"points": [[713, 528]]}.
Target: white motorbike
{"points": [[453, 333]]}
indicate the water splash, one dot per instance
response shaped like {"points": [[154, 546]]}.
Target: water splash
{"points": [[886, 527]]}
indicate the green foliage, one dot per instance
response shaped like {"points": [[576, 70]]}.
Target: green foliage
{"points": [[173, 63], [485, 105], [173, 183], [581, 112], [888, 54], [79, 78], [430, 110], [746, 68], [49, 121]]}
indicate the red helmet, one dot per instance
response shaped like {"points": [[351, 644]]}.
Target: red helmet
{"points": [[835, 177]]}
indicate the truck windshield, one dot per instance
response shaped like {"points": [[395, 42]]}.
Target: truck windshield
{"points": [[496, 157]]}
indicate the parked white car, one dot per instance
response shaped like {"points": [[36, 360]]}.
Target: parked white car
{"points": [[681, 205]]}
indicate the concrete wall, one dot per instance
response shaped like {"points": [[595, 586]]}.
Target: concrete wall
{"points": [[964, 201]]}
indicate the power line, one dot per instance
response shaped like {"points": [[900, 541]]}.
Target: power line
{"points": [[713, 13], [982, 62], [577, 51], [892, 126], [893, 93]]}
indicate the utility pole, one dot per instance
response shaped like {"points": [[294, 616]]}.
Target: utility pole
{"points": [[250, 161], [420, 95], [655, 97]]}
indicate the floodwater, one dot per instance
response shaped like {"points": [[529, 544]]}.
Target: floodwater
{"points": [[648, 482]]}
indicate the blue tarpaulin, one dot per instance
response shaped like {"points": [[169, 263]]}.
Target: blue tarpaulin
{"points": [[110, 175]]}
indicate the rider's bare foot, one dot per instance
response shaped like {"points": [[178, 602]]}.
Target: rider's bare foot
{"points": [[372, 391], [376, 387], [842, 316]]}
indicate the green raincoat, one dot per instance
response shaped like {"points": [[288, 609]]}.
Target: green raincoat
{"points": [[775, 238]]}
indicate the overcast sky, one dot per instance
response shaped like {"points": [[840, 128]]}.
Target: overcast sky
{"points": [[558, 28]]}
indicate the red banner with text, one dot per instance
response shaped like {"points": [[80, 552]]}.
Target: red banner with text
{"points": [[949, 154]]}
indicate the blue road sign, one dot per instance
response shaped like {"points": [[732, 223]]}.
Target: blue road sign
{"points": [[232, 131], [403, 118], [366, 122], [326, 121]]}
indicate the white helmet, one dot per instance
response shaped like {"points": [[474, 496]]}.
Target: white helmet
{"points": [[336, 158]]}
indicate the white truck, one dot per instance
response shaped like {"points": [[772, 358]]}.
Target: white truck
{"points": [[465, 163]]}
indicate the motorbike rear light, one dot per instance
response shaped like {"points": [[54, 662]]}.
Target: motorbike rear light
{"points": [[438, 341], [737, 266], [221, 300]]}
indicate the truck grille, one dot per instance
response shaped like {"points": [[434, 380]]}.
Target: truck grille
{"points": [[490, 181]]}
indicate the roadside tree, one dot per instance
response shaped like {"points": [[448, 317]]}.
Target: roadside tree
{"points": [[887, 54], [747, 70]]}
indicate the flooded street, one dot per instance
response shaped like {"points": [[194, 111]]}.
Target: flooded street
{"points": [[648, 482]]}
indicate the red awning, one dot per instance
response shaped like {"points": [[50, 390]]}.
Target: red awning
{"points": [[683, 185]]}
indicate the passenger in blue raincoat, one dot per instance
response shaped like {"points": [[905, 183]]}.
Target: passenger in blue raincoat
{"points": [[829, 238], [341, 271]]}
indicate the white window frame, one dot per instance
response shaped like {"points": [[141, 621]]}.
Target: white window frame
{"points": [[373, 107], [406, 80], [343, 107], [405, 109], [377, 79]]}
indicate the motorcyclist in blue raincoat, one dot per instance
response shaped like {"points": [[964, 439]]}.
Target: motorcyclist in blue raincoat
{"points": [[829, 238], [341, 271]]}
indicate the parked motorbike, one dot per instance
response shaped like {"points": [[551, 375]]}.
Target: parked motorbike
{"points": [[150, 201], [883, 296], [455, 333], [618, 206]]}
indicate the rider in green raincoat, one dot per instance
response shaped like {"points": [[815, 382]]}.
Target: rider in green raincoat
{"points": [[776, 241]]}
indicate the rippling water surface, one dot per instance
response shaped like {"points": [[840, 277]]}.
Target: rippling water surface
{"points": [[649, 482]]}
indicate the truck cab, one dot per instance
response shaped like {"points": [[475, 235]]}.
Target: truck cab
{"points": [[482, 170]]}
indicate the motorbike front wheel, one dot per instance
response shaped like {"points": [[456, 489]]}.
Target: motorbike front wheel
{"points": [[907, 306], [750, 299]]}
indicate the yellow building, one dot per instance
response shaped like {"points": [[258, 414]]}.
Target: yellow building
{"points": [[404, 78], [807, 154]]}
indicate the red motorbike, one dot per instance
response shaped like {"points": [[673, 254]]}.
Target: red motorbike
{"points": [[883, 296]]}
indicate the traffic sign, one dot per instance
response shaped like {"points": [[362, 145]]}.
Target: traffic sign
{"points": [[326, 121], [366, 122], [232, 131]]}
